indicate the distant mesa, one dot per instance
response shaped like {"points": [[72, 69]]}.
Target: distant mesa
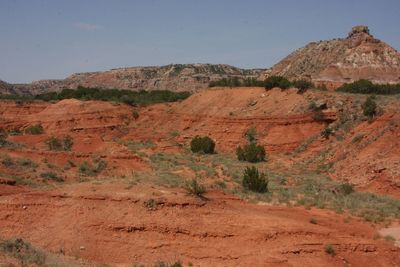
{"points": [[334, 62]]}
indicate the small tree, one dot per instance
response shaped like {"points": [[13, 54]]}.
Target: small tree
{"points": [[254, 181], [202, 145], [251, 153], [277, 81], [302, 85], [369, 107]]}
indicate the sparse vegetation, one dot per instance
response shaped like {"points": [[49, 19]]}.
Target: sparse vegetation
{"points": [[370, 107], [202, 145], [251, 152], [68, 142], [97, 166], [236, 82], [367, 87], [345, 189], [269, 83], [277, 81], [56, 144], [193, 187], [313, 220], [23, 251], [22, 163], [254, 181], [302, 85], [34, 129], [51, 176], [135, 115], [389, 238], [330, 249], [134, 98]]}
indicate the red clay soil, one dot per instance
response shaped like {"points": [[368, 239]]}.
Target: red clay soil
{"points": [[282, 119], [113, 224]]}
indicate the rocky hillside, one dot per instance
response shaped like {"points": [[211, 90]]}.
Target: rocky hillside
{"points": [[6, 88], [337, 61], [175, 77]]}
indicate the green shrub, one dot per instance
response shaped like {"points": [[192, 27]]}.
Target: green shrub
{"points": [[129, 97], [370, 107], [251, 134], [7, 161], [345, 189], [277, 81], [254, 181], [251, 152], [27, 163], [15, 132], [54, 143], [313, 221], [302, 85], [194, 188], [202, 145], [330, 249], [88, 169], [51, 176], [236, 82], [68, 142], [135, 115], [34, 129], [367, 87]]}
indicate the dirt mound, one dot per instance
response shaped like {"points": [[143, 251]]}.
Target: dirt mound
{"points": [[146, 225], [282, 119]]}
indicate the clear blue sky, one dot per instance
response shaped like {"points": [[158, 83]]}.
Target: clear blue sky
{"points": [[55, 38]]}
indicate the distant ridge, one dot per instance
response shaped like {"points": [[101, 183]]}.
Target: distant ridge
{"points": [[174, 77]]}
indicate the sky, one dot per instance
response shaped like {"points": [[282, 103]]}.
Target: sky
{"points": [[51, 39]]}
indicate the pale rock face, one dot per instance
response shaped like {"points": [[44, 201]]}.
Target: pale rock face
{"points": [[176, 77], [338, 61]]}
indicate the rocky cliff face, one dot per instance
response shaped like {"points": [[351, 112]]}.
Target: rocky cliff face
{"points": [[334, 62], [176, 77]]}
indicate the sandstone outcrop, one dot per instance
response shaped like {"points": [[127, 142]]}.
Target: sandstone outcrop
{"points": [[338, 61]]}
